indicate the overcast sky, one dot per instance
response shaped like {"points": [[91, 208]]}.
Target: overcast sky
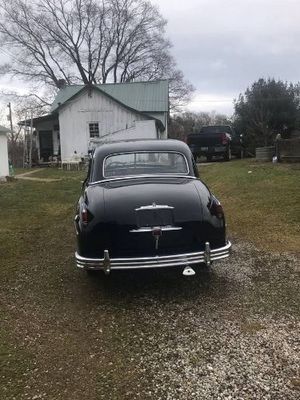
{"points": [[222, 46]]}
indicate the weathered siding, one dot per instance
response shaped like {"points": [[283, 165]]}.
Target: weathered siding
{"points": [[141, 130], [163, 117], [75, 116], [4, 169]]}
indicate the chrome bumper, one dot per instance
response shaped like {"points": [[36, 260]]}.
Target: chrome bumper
{"points": [[107, 264]]}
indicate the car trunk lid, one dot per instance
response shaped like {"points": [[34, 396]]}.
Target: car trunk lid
{"points": [[148, 217]]}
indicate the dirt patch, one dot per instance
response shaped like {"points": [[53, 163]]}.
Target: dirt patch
{"points": [[29, 178]]}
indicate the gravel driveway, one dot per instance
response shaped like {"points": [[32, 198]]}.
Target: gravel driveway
{"points": [[228, 333]]}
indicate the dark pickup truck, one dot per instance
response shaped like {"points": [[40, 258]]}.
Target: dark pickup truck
{"points": [[214, 140]]}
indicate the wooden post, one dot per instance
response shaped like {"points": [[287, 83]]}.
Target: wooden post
{"points": [[25, 143]]}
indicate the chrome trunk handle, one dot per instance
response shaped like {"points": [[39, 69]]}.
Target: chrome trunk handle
{"points": [[155, 206]]}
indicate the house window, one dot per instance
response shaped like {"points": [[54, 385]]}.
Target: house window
{"points": [[94, 129]]}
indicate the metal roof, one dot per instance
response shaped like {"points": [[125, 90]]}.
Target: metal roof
{"points": [[36, 120], [152, 96]]}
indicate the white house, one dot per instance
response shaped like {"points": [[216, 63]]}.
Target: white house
{"points": [[83, 117], [4, 168]]}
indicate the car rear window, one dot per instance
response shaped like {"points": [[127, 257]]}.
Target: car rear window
{"points": [[144, 163]]}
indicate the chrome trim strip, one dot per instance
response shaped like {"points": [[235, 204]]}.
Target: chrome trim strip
{"points": [[155, 206], [150, 229], [125, 178], [108, 264]]}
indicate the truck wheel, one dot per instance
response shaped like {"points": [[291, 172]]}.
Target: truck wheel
{"points": [[208, 158], [227, 155]]}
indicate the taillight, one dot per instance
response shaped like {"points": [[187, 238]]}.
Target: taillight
{"points": [[224, 138], [84, 216], [216, 209]]}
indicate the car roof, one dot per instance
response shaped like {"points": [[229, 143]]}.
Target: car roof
{"points": [[142, 145]]}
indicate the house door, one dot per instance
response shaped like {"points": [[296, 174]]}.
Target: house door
{"points": [[46, 145]]}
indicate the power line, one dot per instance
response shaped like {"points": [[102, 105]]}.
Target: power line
{"points": [[9, 54]]}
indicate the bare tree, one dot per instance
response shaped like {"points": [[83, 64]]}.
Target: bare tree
{"points": [[89, 42], [38, 104], [23, 107], [184, 123]]}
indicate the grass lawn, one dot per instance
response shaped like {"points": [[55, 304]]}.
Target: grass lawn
{"points": [[38, 233], [261, 201], [52, 173]]}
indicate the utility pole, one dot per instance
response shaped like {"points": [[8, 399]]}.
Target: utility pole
{"points": [[10, 116]]}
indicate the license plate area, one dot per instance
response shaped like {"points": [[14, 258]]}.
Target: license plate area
{"points": [[151, 218]]}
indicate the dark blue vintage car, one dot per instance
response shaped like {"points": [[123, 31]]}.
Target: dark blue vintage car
{"points": [[144, 206]]}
